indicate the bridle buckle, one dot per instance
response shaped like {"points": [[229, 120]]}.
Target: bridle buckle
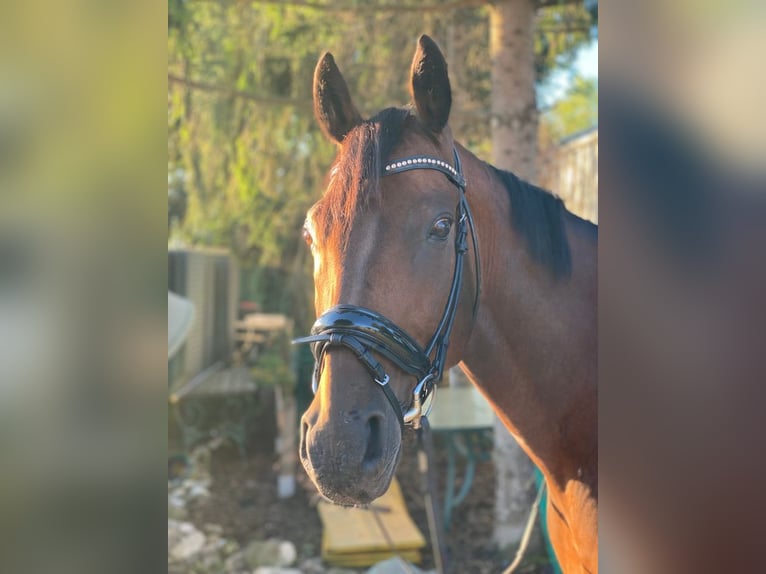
{"points": [[384, 382], [415, 412]]}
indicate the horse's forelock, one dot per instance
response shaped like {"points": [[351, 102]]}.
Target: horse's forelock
{"points": [[355, 175]]}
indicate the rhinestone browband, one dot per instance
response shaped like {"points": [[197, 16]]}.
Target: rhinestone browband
{"points": [[420, 162], [425, 162]]}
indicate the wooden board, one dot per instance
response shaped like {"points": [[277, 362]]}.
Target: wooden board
{"points": [[460, 408], [353, 537], [264, 322], [365, 559]]}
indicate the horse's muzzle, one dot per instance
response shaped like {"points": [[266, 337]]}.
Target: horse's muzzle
{"points": [[350, 458]]}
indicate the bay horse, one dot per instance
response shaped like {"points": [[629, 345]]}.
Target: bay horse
{"points": [[390, 247]]}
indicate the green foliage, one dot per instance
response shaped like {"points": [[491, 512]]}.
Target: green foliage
{"points": [[241, 135], [273, 366], [561, 30], [576, 111], [273, 370]]}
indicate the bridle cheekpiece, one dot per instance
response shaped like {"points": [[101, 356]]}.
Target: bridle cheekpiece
{"points": [[366, 332]]}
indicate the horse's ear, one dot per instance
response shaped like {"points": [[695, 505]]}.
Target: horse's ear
{"points": [[333, 107], [430, 87]]}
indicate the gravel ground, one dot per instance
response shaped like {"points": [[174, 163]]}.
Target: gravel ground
{"points": [[243, 501]]}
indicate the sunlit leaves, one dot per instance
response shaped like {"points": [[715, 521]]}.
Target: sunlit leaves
{"points": [[241, 131]]}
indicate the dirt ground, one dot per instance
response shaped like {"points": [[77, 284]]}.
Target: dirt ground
{"points": [[243, 501]]}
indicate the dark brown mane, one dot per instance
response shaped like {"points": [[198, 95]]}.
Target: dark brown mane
{"points": [[539, 216]]}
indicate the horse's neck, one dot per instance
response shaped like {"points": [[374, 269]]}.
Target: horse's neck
{"points": [[533, 347]]}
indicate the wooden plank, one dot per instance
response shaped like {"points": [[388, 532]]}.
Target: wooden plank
{"points": [[460, 408], [369, 558], [352, 536], [264, 322], [194, 383], [232, 381]]}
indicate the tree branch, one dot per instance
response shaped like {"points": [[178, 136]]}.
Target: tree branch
{"points": [[372, 8], [552, 3], [369, 8], [205, 87], [563, 28]]}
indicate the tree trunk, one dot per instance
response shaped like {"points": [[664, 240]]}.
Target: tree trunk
{"points": [[514, 105], [514, 148]]}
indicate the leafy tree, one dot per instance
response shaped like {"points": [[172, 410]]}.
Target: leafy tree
{"points": [[577, 110]]}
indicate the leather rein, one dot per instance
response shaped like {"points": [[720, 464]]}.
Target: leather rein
{"points": [[366, 332]]}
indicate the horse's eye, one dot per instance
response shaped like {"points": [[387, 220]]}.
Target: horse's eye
{"points": [[441, 228], [307, 237]]}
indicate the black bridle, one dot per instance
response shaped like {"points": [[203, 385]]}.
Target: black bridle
{"points": [[366, 332]]}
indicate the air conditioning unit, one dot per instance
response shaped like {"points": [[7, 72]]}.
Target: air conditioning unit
{"points": [[209, 278]]}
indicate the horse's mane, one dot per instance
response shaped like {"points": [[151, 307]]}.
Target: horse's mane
{"points": [[354, 177], [539, 216]]}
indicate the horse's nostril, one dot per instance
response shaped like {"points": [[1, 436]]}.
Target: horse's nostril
{"points": [[374, 449]]}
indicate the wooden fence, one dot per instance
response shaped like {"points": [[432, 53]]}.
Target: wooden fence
{"points": [[570, 170]]}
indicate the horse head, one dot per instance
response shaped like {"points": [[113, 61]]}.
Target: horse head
{"points": [[388, 239]]}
